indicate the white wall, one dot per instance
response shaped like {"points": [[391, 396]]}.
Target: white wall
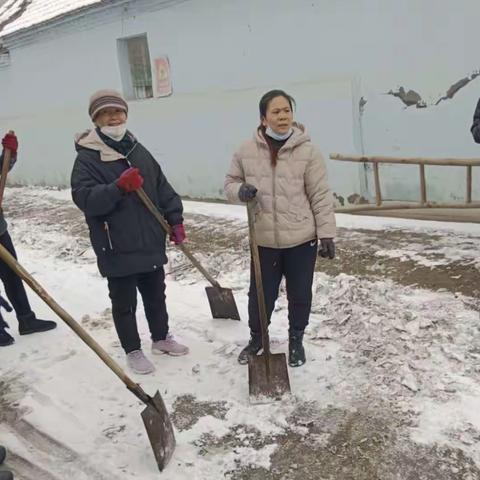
{"points": [[225, 53]]}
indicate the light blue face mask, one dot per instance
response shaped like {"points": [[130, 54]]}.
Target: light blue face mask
{"points": [[278, 136]]}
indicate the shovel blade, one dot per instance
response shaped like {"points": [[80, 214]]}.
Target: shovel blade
{"points": [[222, 303], [266, 386], [159, 430]]}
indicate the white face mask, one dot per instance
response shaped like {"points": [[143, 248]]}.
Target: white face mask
{"points": [[115, 132], [278, 136]]}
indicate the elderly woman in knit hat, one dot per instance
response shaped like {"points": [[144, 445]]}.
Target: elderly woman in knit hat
{"points": [[128, 241]]}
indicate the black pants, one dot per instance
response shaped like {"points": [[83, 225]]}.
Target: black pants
{"points": [[13, 284], [123, 293], [297, 264]]}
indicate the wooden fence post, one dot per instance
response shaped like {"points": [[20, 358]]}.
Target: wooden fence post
{"points": [[469, 184], [423, 184], [378, 192]]}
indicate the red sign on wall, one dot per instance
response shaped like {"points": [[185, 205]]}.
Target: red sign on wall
{"points": [[163, 80]]}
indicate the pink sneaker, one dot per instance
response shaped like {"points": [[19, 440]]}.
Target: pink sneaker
{"points": [[139, 363], [170, 346]]}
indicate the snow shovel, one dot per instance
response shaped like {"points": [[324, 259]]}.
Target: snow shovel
{"points": [[5, 168], [155, 416], [267, 373], [222, 302]]}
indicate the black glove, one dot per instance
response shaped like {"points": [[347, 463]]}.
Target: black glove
{"points": [[327, 248], [246, 192]]}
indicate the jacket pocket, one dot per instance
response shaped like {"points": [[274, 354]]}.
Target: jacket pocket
{"points": [[121, 230], [109, 238], [257, 211], [99, 237]]}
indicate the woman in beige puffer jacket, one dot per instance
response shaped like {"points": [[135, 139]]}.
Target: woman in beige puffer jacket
{"points": [[286, 174]]}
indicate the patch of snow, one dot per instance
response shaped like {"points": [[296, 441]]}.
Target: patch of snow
{"points": [[456, 422], [37, 12]]}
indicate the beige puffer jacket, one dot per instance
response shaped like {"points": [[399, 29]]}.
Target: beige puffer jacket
{"points": [[295, 204]]}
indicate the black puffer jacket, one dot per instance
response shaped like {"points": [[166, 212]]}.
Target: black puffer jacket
{"points": [[475, 129], [125, 236]]}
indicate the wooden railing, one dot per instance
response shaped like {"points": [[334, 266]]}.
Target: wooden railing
{"points": [[468, 163]]}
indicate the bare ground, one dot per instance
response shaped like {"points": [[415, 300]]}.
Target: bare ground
{"points": [[325, 443]]}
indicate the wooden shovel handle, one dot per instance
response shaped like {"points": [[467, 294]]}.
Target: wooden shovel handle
{"points": [[7, 157], [68, 319], [258, 281], [156, 213]]}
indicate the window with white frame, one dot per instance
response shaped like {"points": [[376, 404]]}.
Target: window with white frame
{"points": [[135, 67]]}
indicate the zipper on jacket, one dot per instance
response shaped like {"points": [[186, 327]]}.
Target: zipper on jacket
{"points": [[128, 154], [274, 200], [107, 231]]}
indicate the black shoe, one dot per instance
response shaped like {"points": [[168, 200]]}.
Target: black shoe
{"points": [[29, 324], [4, 475], [253, 347], [5, 340], [296, 352]]}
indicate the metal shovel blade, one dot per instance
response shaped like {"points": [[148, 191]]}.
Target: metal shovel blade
{"points": [[265, 386], [159, 430], [222, 303]]}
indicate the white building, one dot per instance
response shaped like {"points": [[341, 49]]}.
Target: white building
{"points": [[223, 55]]}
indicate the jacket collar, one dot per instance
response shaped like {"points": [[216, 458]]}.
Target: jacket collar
{"points": [[298, 137], [91, 140]]}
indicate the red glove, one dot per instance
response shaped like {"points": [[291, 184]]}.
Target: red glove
{"points": [[130, 180], [10, 141], [178, 235]]}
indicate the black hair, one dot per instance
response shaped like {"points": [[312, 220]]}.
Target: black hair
{"points": [[269, 96]]}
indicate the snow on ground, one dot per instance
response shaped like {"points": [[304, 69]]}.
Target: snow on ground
{"points": [[408, 354], [238, 212], [443, 252]]}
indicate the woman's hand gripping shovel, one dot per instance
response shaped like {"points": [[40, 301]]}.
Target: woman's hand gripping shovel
{"points": [[267, 373], [155, 416]]}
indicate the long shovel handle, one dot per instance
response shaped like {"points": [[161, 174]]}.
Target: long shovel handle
{"points": [[68, 319], [259, 283], [7, 157], [156, 213]]}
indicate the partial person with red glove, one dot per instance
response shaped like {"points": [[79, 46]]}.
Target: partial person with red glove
{"points": [[111, 165], [14, 288], [10, 142]]}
